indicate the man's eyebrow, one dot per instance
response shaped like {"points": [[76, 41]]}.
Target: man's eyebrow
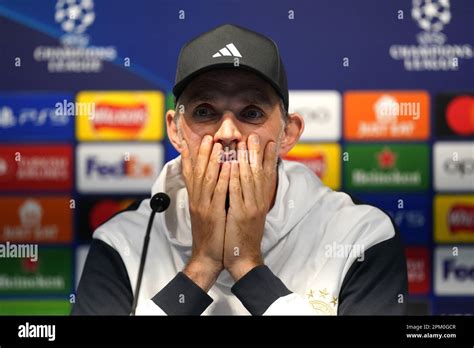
{"points": [[249, 96], [256, 96], [200, 96]]}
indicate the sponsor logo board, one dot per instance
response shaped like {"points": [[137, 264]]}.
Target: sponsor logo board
{"points": [[129, 167], [454, 271], [386, 115], [35, 116], [49, 274], [454, 115], [323, 159], [386, 167], [410, 212], [453, 164], [36, 167], [36, 219], [321, 111], [454, 218], [418, 267], [120, 115]]}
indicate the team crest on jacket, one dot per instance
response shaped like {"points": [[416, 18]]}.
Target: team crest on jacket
{"points": [[322, 301]]}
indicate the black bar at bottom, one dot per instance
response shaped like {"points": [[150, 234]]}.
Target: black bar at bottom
{"points": [[446, 330]]}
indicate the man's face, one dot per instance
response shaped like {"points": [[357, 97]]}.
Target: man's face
{"points": [[230, 105]]}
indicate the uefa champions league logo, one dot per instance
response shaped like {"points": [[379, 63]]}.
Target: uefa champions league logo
{"points": [[431, 16], [74, 54], [433, 52], [75, 16]]}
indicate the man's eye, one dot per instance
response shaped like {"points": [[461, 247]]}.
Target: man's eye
{"points": [[203, 112], [252, 114]]}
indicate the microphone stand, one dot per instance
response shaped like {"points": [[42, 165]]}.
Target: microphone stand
{"points": [[158, 203]]}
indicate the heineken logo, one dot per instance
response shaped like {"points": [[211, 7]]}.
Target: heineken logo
{"points": [[386, 158], [50, 275], [396, 167]]}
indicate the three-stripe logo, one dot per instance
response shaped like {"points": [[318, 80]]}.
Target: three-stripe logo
{"points": [[228, 50]]}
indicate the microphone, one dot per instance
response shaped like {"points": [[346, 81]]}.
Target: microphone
{"points": [[158, 203]]}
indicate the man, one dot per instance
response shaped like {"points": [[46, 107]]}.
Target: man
{"points": [[246, 233]]}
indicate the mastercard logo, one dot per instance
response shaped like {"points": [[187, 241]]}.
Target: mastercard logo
{"points": [[104, 210], [460, 115]]}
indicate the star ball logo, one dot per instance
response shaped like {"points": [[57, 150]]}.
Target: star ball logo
{"points": [[75, 16], [75, 54], [432, 52], [431, 15]]}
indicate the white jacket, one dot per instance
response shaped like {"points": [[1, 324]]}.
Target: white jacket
{"points": [[323, 254]]}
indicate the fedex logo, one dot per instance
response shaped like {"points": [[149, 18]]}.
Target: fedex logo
{"points": [[117, 168], [458, 271], [454, 270], [130, 168]]}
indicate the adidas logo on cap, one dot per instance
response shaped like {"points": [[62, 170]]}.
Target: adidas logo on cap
{"points": [[228, 50]]}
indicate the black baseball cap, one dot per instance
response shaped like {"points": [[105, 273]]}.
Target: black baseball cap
{"points": [[225, 46]]}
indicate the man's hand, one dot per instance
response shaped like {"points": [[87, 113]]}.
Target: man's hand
{"points": [[251, 181], [207, 189]]}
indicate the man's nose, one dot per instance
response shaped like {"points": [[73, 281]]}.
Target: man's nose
{"points": [[228, 131]]}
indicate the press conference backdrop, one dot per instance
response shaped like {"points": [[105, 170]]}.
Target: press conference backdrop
{"points": [[386, 89]]}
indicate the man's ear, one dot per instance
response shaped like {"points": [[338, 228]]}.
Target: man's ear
{"points": [[172, 130], [293, 130]]}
